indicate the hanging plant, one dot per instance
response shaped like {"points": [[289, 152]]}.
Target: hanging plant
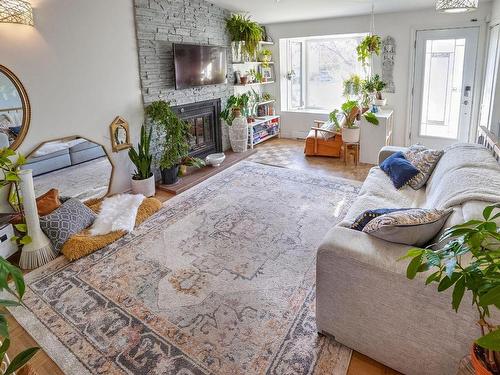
{"points": [[371, 44], [242, 29]]}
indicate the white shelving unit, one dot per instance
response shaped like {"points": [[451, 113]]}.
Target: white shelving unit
{"points": [[264, 127]]}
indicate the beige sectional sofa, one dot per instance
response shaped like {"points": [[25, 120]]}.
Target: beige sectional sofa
{"points": [[363, 296]]}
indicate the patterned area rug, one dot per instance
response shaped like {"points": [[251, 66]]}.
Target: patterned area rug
{"points": [[220, 281]]}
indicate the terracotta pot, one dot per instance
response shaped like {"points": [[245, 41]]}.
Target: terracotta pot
{"points": [[478, 364], [145, 187]]}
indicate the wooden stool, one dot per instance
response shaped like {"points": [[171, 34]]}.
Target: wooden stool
{"points": [[354, 147]]}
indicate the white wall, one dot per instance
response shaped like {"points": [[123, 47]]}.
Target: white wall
{"points": [[495, 11], [402, 27], [79, 66]]}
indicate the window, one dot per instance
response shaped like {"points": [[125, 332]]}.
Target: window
{"points": [[315, 70]]}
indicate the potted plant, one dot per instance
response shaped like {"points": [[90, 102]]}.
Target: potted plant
{"points": [[190, 161], [379, 86], [245, 36], [371, 44], [352, 86], [143, 179], [265, 57], [469, 261], [352, 113], [175, 145], [237, 122]]}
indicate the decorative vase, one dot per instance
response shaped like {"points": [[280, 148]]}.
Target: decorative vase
{"points": [[145, 187], [169, 176], [39, 251], [238, 132], [236, 49], [350, 135], [477, 363]]}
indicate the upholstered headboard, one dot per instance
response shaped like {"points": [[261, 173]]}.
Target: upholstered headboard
{"points": [[490, 141]]}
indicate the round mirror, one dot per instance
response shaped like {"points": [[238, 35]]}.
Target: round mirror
{"points": [[15, 111]]}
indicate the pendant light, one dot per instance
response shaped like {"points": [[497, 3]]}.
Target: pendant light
{"points": [[456, 6], [16, 11]]}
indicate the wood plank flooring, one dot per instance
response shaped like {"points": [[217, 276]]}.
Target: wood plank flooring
{"points": [[359, 365]]}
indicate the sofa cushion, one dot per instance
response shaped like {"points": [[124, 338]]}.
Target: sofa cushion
{"points": [[415, 227], [400, 170], [425, 160], [369, 215], [377, 191]]}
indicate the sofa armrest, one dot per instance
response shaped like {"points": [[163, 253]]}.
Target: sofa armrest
{"points": [[387, 151]]}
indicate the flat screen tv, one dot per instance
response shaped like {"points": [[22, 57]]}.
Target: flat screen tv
{"points": [[197, 65]]}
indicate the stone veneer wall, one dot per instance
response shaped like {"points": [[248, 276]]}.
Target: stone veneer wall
{"points": [[159, 24]]}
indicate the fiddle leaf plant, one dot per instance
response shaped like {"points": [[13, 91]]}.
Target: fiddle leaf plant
{"points": [[234, 103], [351, 112], [469, 261]]}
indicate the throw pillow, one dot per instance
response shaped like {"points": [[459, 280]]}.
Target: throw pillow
{"points": [[399, 170], [70, 218], [425, 160], [414, 227], [48, 202], [367, 216]]}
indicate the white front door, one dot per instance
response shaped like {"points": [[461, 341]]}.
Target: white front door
{"points": [[443, 85]]}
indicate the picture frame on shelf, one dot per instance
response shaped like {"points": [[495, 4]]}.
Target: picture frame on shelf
{"points": [[267, 72]]}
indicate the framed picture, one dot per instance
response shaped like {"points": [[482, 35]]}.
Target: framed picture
{"points": [[120, 134], [267, 72]]}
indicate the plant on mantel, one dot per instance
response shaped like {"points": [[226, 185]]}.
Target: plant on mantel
{"points": [[469, 261]]}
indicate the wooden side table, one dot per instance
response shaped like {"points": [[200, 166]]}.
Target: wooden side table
{"points": [[354, 148]]}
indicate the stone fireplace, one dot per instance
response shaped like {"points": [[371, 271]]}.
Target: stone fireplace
{"points": [[204, 118]]}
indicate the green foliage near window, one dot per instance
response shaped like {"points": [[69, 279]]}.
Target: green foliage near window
{"points": [[175, 145], [378, 84], [142, 157], [235, 102], [351, 110], [371, 44], [10, 165], [468, 261], [242, 28], [352, 86], [9, 272]]}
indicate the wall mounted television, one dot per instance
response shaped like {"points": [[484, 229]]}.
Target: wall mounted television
{"points": [[199, 65]]}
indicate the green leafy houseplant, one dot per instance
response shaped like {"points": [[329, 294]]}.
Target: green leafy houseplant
{"points": [[352, 86], [10, 272], [379, 86], [265, 57], [142, 157], [175, 144], [10, 165], [469, 261], [371, 44], [351, 111], [235, 104], [242, 28]]}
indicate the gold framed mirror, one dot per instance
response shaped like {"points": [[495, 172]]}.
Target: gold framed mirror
{"points": [[15, 110]]}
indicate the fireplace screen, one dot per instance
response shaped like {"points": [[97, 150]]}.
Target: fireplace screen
{"points": [[202, 136]]}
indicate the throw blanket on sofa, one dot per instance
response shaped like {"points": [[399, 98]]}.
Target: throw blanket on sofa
{"points": [[117, 213], [466, 172]]}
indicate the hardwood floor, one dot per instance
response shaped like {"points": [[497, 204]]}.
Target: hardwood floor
{"points": [[359, 365]]}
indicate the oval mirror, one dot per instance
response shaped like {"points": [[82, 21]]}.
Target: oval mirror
{"points": [[15, 111]]}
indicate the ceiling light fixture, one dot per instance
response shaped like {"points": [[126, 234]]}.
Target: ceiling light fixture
{"points": [[16, 11], [456, 6]]}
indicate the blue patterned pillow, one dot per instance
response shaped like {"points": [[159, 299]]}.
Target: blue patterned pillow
{"points": [[369, 215], [70, 218], [414, 227], [425, 160], [399, 170]]}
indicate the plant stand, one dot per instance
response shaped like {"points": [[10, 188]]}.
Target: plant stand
{"points": [[354, 148]]}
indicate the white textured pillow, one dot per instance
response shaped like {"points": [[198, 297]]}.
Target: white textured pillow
{"points": [[117, 213]]}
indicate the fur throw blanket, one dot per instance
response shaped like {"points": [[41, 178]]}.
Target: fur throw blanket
{"points": [[117, 213]]}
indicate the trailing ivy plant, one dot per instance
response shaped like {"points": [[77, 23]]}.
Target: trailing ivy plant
{"points": [[10, 165], [469, 261], [9, 272], [371, 44], [234, 103], [242, 28], [176, 132]]}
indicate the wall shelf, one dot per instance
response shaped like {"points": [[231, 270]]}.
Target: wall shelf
{"points": [[252, 62], [254, 84]]}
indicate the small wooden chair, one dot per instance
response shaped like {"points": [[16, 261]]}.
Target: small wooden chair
{"points": [[323, 142]]}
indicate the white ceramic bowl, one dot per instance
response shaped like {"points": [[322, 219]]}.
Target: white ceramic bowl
{"points": [[215, 159]]}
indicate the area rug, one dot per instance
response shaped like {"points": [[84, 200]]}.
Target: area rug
{"points": [[220, 281]]}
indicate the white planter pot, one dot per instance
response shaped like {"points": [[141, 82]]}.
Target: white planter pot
{"points": [[379, 102], [350, 135], [145, 187], [238, 134]]}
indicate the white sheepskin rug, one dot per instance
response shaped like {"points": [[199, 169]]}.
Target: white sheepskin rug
{"points": [[117, 213]]}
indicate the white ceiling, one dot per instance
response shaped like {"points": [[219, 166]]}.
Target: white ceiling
{"points": [[270, 11]]}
